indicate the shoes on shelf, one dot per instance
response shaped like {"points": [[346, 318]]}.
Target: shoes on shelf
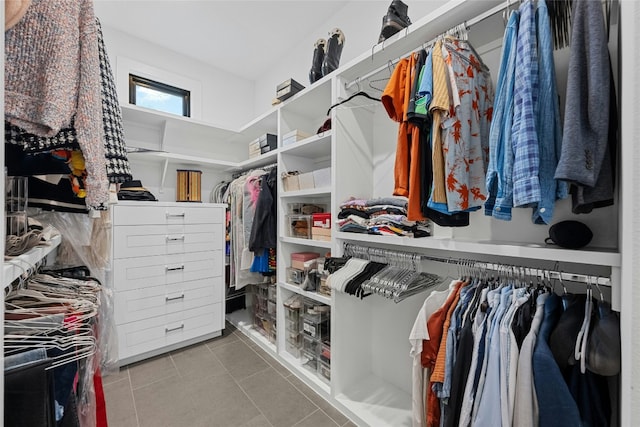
{"points": [[333, 50], [315, 73], [395, 20]]}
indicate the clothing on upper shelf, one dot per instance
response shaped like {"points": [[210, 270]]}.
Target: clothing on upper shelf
{"points": [[480, 375], [52, 77]]}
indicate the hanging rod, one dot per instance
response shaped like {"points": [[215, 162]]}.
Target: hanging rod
{"points": [[409, 258], [469, 23], [238, 174]]}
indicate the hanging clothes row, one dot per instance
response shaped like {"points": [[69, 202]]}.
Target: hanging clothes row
{"points": [[460, 150], [508, 352], [531, 163], [252, 226], [51, 347], [442, 99], [62, 115]]}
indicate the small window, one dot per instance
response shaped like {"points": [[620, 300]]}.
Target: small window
{"points": [[159, 96]]}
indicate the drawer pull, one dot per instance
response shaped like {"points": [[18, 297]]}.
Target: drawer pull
{"points": [[180, 215], [174, 298], [174, 268], [167, 330], [173, 239]]}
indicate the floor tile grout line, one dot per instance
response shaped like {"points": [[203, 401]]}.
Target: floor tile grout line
{"points": [[154, 382], [133, 398], [251, 400], [319, 396], [294, 386], [298, 423]]}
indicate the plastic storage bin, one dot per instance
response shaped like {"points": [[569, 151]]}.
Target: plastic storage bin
{"points": [[316, 325], [299, 226], [295, 276], [324, 370]]}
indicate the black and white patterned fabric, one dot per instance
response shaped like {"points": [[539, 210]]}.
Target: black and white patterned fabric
{"points": [[118, 169], [32, 144]]}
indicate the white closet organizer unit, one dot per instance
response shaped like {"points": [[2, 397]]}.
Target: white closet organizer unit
{"points": [[370, 363], [168, 276]]}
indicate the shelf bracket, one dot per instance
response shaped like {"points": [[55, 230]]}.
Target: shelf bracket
{"points": [[164, 135], [163, 176]]}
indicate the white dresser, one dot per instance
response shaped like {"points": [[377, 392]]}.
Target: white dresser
{"points": [[168, 273]]}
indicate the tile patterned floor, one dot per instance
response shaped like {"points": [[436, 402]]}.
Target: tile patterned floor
{"points": [[228, 381]]}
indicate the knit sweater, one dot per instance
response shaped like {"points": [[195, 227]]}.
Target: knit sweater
{"points": [[52, 75]]}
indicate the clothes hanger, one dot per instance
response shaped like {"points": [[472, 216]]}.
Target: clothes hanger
{"points": [[581, 340], [360, 93]]}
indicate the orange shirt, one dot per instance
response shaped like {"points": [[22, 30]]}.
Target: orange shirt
{"points": [[395, 100]]}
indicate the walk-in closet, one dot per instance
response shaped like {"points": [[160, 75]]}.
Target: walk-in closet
{"points": [[275, 213]]}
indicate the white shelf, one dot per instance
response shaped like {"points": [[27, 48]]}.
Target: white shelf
{"points": [[15, 267], [313, 295], [312, 147], [378, 403], [183, 158], [594, 256], [307, 242], [154, 118], [315, 192], [256, 162]]}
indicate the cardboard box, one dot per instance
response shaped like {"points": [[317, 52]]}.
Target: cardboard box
{"points": [[322, 178], [321, 233], [268, 140], [290, 182], [322, 219], [287, 89], [302, 260], [306, 181], [294, 136]]}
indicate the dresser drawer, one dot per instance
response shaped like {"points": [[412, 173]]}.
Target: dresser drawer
{"points": [[149, 271], [132, 241], [139, 304], [162, 215], [150, 334]]}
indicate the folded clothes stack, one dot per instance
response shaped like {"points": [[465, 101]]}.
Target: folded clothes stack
{"points": [[382, 216]]}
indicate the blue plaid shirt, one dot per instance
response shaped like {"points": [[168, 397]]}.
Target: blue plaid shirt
{"points": [[500, 169], [526, 166], [547, 122]]}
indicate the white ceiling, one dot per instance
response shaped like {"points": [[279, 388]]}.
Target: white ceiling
{"points": [[239, 36]]}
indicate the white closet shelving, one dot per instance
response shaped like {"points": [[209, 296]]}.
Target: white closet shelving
{"points": [[370, 365], [17, 266]]}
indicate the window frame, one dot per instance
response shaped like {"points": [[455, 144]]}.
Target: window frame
{"points": [[138, 81]]}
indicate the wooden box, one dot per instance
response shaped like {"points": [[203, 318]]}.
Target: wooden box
{"points": [[189, 186]]}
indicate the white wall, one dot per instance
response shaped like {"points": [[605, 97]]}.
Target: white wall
{"points": [[360, 21], [224, 95]]}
